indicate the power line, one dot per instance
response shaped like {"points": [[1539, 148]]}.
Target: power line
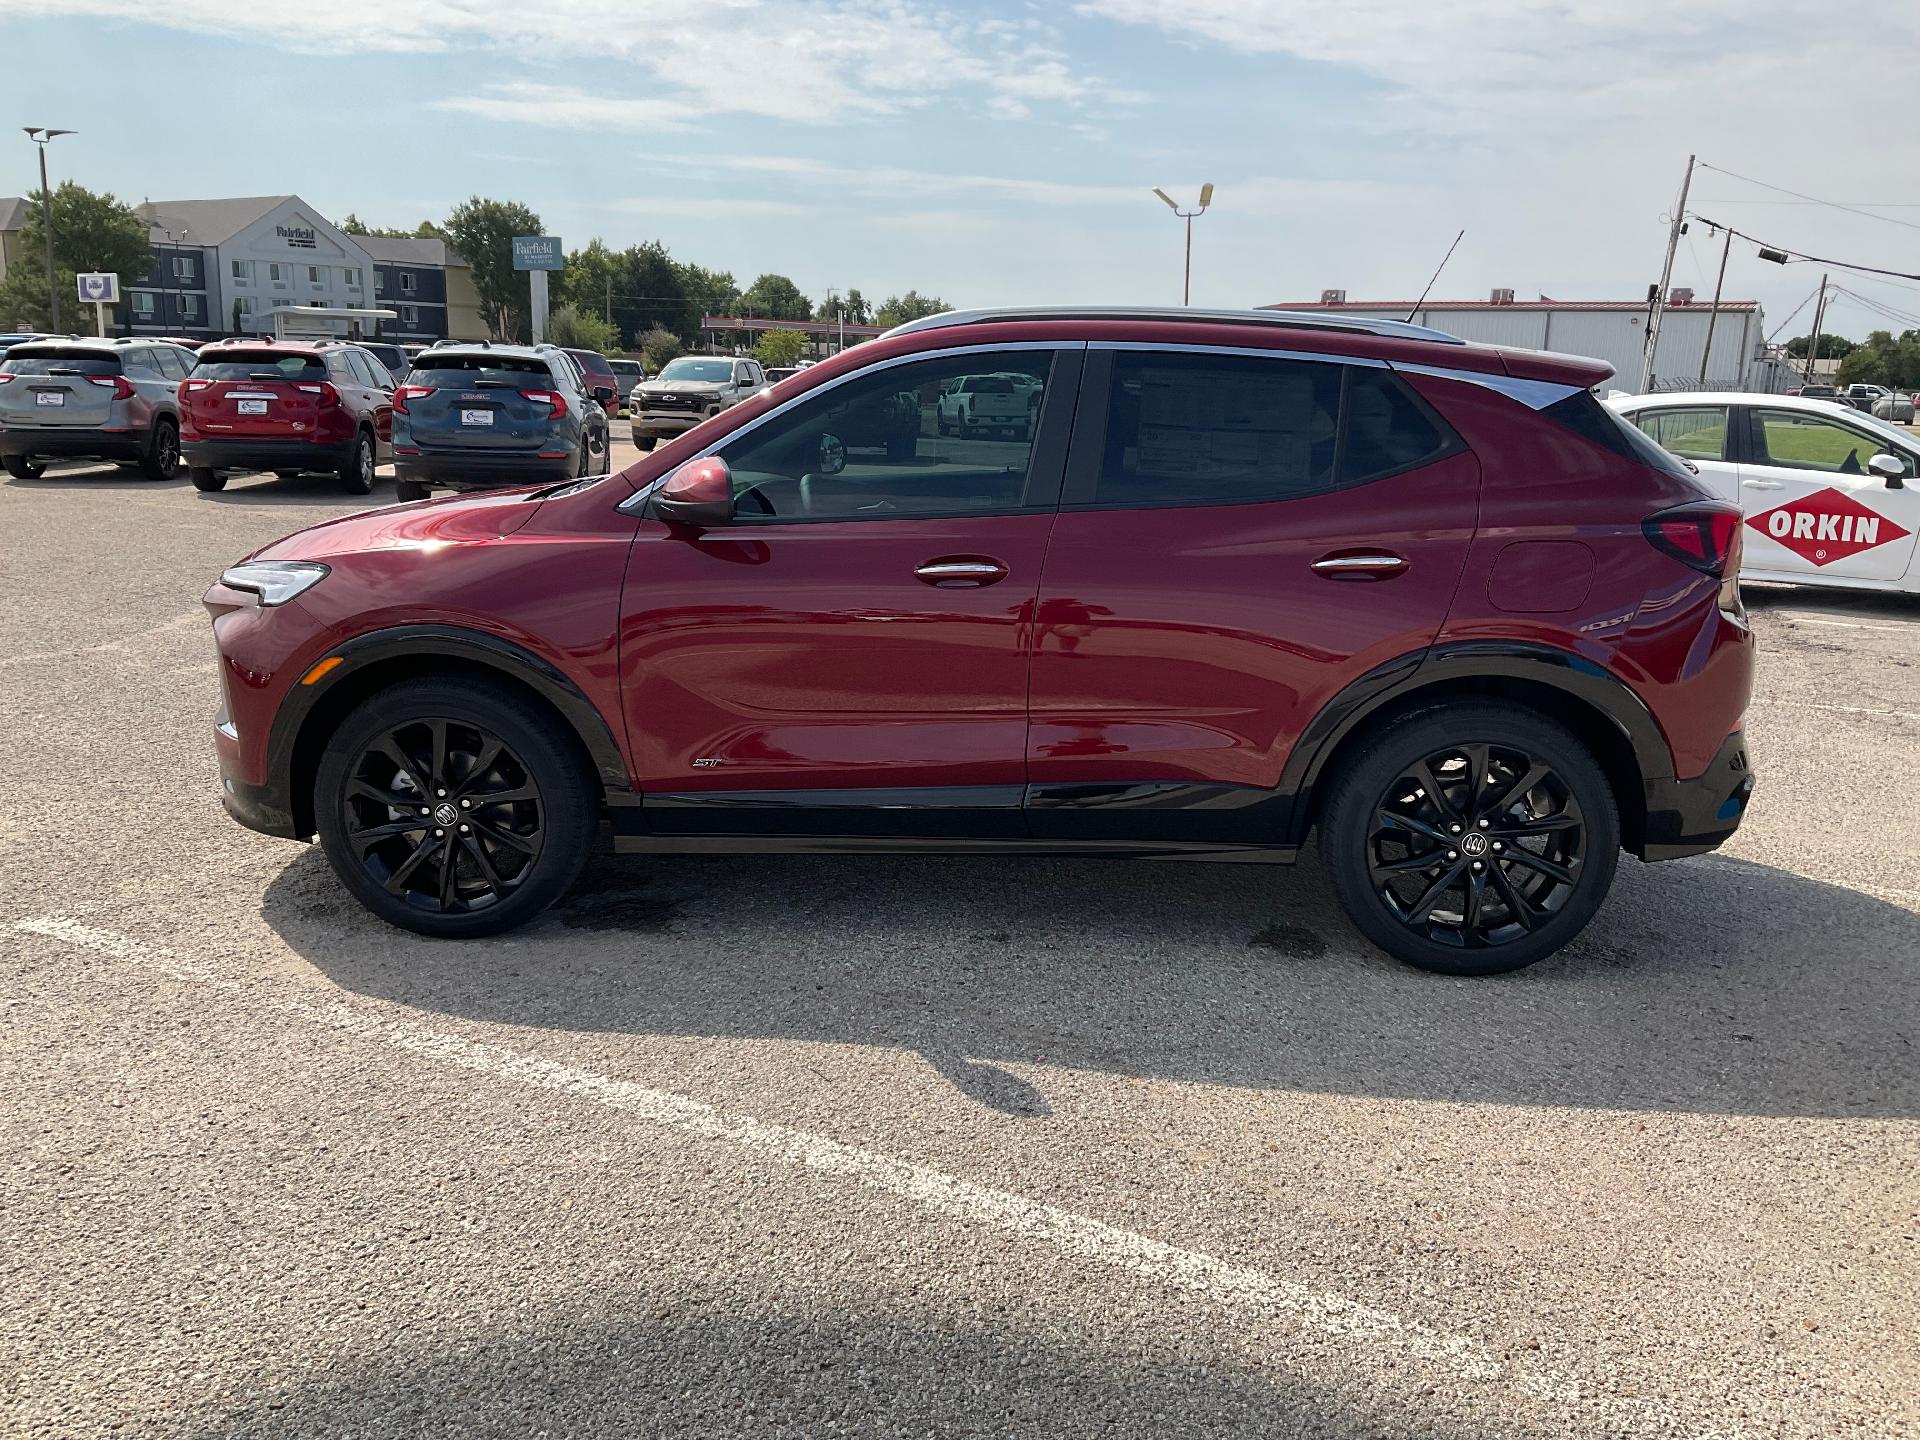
{"points": [[1789, 320], [1815, 259], [1811, 199]]}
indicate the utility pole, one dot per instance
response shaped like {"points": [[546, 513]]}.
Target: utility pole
{"points": [[1713, 315], [1666, 277], [42, 137], [1813, 342]]}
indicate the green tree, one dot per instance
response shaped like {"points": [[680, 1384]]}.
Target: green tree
{"points": [[1832, 347], [775, 297], [1882, 360], [482, 232], [425, 230], [853, 307], [588, 280], [899, 309], [579, 329], [780, 347], [659, 346], [709, 292], [92, 231]]}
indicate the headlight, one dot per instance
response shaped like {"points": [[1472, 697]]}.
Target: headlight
{"points": [[274, 581]]}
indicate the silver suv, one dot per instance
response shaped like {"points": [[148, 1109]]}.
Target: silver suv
{"points": [[687, 391], [96, 399]]}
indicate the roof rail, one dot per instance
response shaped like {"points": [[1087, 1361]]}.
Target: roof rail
{"points": [[1286, 319]]}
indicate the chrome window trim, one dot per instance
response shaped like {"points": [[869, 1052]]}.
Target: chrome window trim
{"points": [[1256, 352], [1534, 394], [633, 503]]}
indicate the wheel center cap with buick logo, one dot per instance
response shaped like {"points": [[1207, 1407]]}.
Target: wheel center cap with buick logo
{"points": [[1474, 843], [444, 814]]}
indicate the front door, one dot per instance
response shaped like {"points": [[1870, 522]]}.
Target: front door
{"points": [[852, 651], [1240, 538], [1814, 510]]}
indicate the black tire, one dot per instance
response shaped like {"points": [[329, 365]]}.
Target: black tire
{"points": [[1386, 838], [205, 479], [510, 858], [645, 442], [411, 489], [356, 473], [162, 459], [23, 467]]}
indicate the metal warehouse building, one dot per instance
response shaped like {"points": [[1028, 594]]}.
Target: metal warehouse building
{"points": [[1610, 330]]}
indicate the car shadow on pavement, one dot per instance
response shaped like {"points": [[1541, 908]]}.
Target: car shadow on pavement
{"points": [[267, 488], [654, 1361], [1707, 985]]}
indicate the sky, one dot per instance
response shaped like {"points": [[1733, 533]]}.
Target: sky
{"points": [[1005, 153]]}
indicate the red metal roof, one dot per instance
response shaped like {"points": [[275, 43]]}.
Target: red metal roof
{"points": [[1403, 306]]}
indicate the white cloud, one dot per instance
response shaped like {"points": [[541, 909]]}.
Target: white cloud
{"points": [[566, 108], [805, 61]]}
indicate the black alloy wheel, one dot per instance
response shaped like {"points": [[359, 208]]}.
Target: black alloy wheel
{"points": [[454, 807], [1473, 840], [162, 460]]}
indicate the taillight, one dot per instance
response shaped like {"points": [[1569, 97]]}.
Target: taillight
{"points": [[122, 387], [409, 392], [329, 397], [1704, 535], [553, 398]]}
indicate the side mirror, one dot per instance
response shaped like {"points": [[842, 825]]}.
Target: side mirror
{"points": [[832, 458], [1889, 468], [699, 493]]}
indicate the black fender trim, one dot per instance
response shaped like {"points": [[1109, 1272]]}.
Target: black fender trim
{"points": [[1405, 677], [475, 647]]}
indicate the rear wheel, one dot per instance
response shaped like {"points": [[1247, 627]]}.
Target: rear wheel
{"points": [[205, 479], [411, 489], [356, 474], [162, 460], [645, 442], [24, 467], [1471, 839], [454, 808]]}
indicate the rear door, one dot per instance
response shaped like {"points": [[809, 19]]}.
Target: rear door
{"points": [[1814, 510], [59, 387], [501, 404], [1241, 537]]}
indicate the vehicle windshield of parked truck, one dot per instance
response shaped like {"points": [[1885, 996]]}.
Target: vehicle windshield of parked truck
{"points": [[689, 367]]}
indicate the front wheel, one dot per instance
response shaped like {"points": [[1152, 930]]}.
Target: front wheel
{"points": [[454, 807], [23, 467], [1471, 839]]}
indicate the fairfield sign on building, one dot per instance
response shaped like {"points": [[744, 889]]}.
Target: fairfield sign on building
{"points": [[298, 237]]}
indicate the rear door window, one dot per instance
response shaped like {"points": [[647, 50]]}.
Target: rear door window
{"points": [[1697, 433]]}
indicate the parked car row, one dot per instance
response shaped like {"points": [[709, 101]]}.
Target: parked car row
{"points": [[466, 416]]}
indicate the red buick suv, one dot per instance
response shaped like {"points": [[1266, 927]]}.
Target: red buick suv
{"points": [[1248, 577]]}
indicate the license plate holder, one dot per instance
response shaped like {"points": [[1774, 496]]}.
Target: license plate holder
{"points": [[49, 397], [251, 407], [476, 417]]}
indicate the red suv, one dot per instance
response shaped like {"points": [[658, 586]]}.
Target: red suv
{"points": [[1248, 576], [288, 407]]}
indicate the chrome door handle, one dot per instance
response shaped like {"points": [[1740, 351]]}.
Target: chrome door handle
{"points": [[954, 574], [1377, 565], [1762, 484]]}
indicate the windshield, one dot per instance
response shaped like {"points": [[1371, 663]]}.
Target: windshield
{"points": [[1891, 433], [686, 368]]}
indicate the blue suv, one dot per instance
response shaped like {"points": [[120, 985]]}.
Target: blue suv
{"points": [[476, 416]]}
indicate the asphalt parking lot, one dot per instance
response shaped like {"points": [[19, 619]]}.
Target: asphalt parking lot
{"points": [[900, 1146]]}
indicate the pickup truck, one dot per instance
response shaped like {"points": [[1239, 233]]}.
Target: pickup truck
{"points": [[969, 404], [687, 391], [1862, 397]]}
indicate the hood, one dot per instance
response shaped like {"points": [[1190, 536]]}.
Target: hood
{"points": [[457, 520]]}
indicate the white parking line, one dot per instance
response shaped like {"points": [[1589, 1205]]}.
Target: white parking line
{"points": [[1232, 1286], [1844, 624], [1841, 709]]}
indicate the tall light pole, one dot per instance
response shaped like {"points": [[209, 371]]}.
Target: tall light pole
{"points": [[40, 136], [1206, 199]]}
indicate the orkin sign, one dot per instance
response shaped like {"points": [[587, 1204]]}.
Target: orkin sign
{"points": [[1826, 526]]}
